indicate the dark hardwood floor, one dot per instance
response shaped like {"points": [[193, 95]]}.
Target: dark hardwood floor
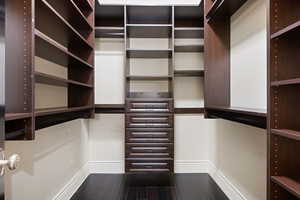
{"points": [[149, 187]]}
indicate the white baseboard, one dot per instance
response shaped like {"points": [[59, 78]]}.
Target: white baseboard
{"points": [[72, 186], [191, 166], [225, 184], [106, 167]]}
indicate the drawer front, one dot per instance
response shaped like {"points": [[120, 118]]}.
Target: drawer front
{"points": [[149, 166], [149, 150], [147, 135], [145, 106], [149, 120]]}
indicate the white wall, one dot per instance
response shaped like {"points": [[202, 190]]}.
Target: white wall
{"points": [[249, 56], [48, 163]]}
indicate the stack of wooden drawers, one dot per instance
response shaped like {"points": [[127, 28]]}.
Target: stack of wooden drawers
{"points": [[149, 135]]}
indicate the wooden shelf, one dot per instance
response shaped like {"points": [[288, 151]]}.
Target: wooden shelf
{"points": [[72, 14], [288, 184], [53, 111], [149, 53], [149, 78], [60, 23], [189, 32], [84, 5], [109, 32], [189, 73], [17, 116], [295, 135], [186, 15], [189, 110], [109, 15], [286, 82], [224, 8], [109, 108], [56, 81], [51, 50], [253, 117], [149, 30], [189, 48], [293, 27]]}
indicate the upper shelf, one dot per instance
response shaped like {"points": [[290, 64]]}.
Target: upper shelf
{"points": [[49, 49], [290, 28], [109, 32], [63, 28], [140, 14], [253, 117], [288, 184], [109, 15], [224, 8], [149, 30], [149, 53], [188, 16]]}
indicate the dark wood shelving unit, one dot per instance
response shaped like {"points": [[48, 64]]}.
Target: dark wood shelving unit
{"points": [[149, 112], [217, 68], [61, 32], [283, 100], [189, 73]]}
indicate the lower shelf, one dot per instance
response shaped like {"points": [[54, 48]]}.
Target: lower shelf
{"points": [[288, 184], [60, 110]]}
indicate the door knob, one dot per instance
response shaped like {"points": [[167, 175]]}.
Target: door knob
{"points": [[10, 163]]}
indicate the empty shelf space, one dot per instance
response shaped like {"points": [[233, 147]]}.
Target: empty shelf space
{"points": [[286, 82], [149, 78], [295, 135], [189, 73], [53, 80], [16, 116], [52, 111], [149, 53], [288, 29], [189, 32], [49, 49], [109, 32], [189, 48], [149, 30], [71, 34], [288, 184]]}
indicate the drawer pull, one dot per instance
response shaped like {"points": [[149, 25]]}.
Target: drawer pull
{"points": [[149, 148], [149, 139], [149, 154], [145, 133], [156, 164], [149, 118]]}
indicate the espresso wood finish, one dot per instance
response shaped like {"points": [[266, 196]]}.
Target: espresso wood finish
{"points": [[150, 115], [155, 186], [283, 117], [61, 32]]}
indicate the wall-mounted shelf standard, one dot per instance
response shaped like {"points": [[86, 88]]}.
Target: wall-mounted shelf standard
{"points": [[62, 33]]}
